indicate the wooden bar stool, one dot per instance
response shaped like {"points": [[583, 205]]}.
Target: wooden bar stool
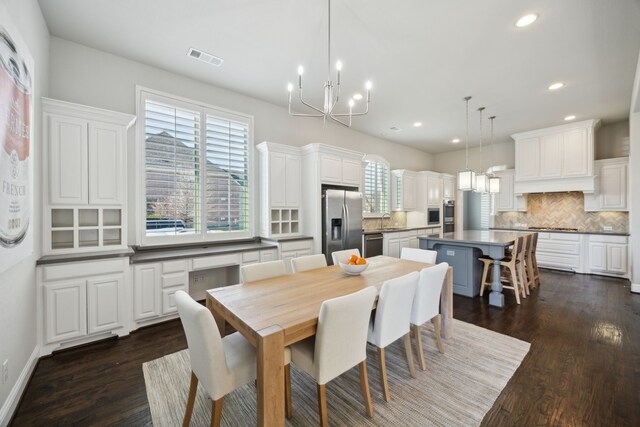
{"points": [[525, 266], [512, 264], [534, 261]]}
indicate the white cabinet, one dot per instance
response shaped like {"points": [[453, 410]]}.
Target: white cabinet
{"points": [[506, 200], [280, 189], [449, 189], [338, 170], [612, 189], [527, 159], [393, 242], [154, 287], [608, 255], [106, 163], [83, 300], [403, 190], [560, 251], [434, 191], [68, 167], [551, 156], [577, 153]]}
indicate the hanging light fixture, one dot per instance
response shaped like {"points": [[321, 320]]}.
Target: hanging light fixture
{"points": [[482, 179], [331, 92], [494, 181], [467, 177]]}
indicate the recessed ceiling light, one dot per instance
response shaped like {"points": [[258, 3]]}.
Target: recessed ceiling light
{"points": [[455, 140], [417, 124], [556, 86], [357, 96], [569, 118], [527, 20]]}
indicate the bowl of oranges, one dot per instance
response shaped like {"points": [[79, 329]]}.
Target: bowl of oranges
{"points": [[353, 265]]}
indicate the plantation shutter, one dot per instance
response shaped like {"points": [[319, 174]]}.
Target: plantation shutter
{"points": [[376, 185], [172, 168], [485, 210]]}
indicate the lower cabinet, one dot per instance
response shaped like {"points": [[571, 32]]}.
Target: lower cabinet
{"points": [[393, 242], [81, 300], [608, 255], [154, 287], [560, 251]]}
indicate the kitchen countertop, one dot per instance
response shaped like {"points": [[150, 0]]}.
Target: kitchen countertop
{"points": [[85, 256], [153, 255], [398, 230], [481, 237], [606, 233], [286, 238]]}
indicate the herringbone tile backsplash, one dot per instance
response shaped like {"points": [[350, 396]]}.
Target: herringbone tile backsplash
{"points": [[565, 210]]}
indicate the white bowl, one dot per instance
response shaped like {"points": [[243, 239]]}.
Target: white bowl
{"points": [[353, 270]]}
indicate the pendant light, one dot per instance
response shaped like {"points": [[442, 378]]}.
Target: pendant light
{"points": [[494, 181], [467, 177], [482, 179]]}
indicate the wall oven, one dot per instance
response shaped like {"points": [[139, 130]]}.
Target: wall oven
{"points": [[433, 216], [448, 214]]}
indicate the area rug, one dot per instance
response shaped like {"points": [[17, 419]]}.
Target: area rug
{"points": [[457, 389]]}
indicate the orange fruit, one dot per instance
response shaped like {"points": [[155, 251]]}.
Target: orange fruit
{"points": [[352, 263], [361, 261], [353, 258]]}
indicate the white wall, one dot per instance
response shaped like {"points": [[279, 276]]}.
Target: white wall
{"points": [[453, 161], [88, 76], [610, 140], [17, 285]]}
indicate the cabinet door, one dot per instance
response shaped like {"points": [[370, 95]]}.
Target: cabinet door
{"points": [[169, 300], [277, 179], [106, 168], [351, 172], [287, 257], [434, 193], [268, 255], [449, 188], [408, 192], [414, 243], [65, 310], [575, 157], [613, 187], [104, 296], [597, 256], [505, 199], [292, 183], [146, 295], [551, 156], [68, 162], [330, 169], [303, 252], [394, 248], [617, 258], [527, 159]]}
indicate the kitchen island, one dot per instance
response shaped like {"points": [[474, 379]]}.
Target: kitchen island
{"points": [[461, 250]]}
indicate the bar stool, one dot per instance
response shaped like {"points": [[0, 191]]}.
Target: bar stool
{"points": [[534, 261], [512, 263]]}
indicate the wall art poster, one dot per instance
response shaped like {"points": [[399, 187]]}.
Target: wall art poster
{"points": [[16, 146]]}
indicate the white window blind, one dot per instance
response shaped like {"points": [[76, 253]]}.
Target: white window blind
{"points": [[197, 163], [485, 210], [376, 187]]}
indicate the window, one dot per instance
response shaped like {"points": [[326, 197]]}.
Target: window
{"points": [[376, 186], [196, 171], [485, 210]]}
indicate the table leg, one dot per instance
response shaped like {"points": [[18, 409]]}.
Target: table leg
{"points": [[496, 297], [220, 322], [270, 360], [446, 305]]}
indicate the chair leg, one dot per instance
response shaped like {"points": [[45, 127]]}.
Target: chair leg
{"points": [[485, 272], [531, 273], [514, 279], [409, 353], [419, 350], [438, 329], [287, 391], [364, 385], [216, 412], [383, 374], [522, 277], [193, 388], [322, 405]]}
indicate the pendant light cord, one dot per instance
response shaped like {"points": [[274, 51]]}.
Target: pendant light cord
{"points": [[492, 118], [329, 41], [481, 158], [466, 139]]}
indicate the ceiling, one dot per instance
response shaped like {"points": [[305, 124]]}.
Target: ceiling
{"points": [[423, 57]]}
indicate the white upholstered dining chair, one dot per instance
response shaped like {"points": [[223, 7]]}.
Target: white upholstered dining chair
{"points": [[344, 255], [426, 306], [308, 262], [262, 270], [221, 365], [340, 343], [391, 321], [419, 255]]}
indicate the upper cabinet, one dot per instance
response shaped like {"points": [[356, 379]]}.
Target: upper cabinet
{"points": [[611, 193], [507, 200], [559, 158], [280, 189], [448, 187], [404, 188], [339, 170], [85, 176]]}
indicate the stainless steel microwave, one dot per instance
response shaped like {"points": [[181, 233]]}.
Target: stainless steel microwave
{"points": [[433, 216]]}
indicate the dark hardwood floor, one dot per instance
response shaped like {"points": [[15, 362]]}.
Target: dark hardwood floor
{"points": [[583, 368]]}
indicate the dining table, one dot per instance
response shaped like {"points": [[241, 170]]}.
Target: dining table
{"points": [[277, 312]]}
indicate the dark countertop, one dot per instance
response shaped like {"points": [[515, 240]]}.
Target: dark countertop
{"points": [[605, 233], [286, 238], [164, 254], [481, 237], [85, 256], [398, 230]]}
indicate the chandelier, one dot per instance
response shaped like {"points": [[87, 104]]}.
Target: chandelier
{"points": [[331, 91]]}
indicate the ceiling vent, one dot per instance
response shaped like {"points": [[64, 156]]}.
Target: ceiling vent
{"points": [[204, 57]]}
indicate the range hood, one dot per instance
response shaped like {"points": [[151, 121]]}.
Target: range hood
{"points": [[586, 184]]}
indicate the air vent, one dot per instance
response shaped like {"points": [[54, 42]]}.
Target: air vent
{"points": [[205, 57], [394, 129]]}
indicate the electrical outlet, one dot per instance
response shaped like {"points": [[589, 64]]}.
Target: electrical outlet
{"points": [[5, 371], [197, 279], [607, 228]]}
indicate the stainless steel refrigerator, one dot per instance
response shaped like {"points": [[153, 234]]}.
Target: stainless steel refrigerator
{"points": [[341, 220]]}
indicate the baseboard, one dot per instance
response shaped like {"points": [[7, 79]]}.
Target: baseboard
{"points": [[635, 288], [11, 404]]}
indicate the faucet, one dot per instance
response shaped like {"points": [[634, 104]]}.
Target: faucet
{"points": [[388, 215]]}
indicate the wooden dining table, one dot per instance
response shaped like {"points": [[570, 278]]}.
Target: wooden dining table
{"points": [[274, 313]]}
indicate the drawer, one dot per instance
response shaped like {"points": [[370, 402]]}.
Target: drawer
{"points": [[598, 238], [422, 232], [295, 245], [268, 255], [253, 256], [216, 261], [174, 266], [174, 279], [565, 237], [559, 247], [83, 269], [568, 262]]}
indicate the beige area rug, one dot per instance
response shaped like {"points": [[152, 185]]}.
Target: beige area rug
{"points": [[458, 388]]}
